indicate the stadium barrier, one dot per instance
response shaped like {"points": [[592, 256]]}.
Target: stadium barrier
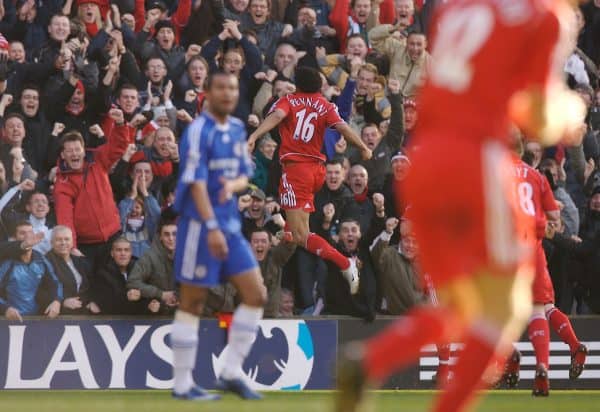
{"points": [[289, 354]]}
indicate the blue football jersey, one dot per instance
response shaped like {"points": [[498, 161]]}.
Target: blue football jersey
{"points": [[210, 151]]}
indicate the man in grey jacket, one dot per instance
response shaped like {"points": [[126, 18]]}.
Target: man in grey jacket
{"points": [[398, 278]]}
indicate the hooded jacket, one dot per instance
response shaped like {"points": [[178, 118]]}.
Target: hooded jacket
{"points": [[84, 199]]}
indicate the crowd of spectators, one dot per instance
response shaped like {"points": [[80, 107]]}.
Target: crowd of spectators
{"points": [[94, 95]]}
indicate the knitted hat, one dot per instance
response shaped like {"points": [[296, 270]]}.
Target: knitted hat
{"points": [[156, 4], [164, 24]]}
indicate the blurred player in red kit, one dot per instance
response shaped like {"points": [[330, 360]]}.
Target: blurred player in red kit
{"points": [[487, 73], [537, 201], [302, 118]]}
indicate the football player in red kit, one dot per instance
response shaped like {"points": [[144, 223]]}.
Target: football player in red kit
{"points": [[302, 118], [537, 201], [461, 190]]}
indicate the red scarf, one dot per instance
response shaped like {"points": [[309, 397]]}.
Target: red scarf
{"points": [[91, 29], [361, 197]]}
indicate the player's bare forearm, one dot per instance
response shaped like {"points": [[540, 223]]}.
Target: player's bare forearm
{"points": [[350, 136], [202, 200], [239, 184], [270, 122]]}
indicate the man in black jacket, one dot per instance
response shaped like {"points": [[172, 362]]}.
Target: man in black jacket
{"points": [[110, 284], [73, 272], [338, 300]]}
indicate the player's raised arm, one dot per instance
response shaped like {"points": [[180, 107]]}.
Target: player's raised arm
{"points": [[546, 109], [270, 122], [349, 134], [550, 116], [231, 186]]}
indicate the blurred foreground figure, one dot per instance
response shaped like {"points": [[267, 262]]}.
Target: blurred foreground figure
{"points": [[471, 230]]}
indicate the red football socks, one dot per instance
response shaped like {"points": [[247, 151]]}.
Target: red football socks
{"points": [[401, 343], [539, 335], [317, 245], [478, 353], [562, 326], [444, 353]]}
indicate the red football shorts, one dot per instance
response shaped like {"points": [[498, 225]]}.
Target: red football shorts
{"points": [[299, 183], [461, 199], [543, 290]]}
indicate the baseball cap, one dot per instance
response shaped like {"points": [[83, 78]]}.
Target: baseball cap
{"points": [[258, 194], [400, 156], [156, 4]]}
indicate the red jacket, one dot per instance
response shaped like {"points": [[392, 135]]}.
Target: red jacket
{"points": [[84, 199], [338, 18]]}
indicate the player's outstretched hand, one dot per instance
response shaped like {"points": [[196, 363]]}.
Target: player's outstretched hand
{"points": [[217, 245]]}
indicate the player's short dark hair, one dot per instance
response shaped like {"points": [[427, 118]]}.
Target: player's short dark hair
{"points": [[212, 76], [308, 80], [71, 136]]}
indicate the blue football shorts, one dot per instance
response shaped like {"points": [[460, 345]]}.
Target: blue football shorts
{"points": [[194, 263]]}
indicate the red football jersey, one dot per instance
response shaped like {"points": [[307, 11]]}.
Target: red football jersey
{"points": [[302, 132], [534, 195], [486, 51]]}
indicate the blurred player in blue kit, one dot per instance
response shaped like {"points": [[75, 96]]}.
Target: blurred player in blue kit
{"points": [[210, 247]]}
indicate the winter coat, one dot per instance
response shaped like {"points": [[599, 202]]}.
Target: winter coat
{"points": [[380, 164], [267, 34], [398, 280], [141, 237], [271, 268], [20, 284], [339, 301], [110, 291], [174, 58], [153, 274], [83, 198], [67, 279], [410, 74], [253, 64], [96, 103]]}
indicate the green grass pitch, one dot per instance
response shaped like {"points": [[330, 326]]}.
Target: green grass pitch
{"points": [[307, 401]]}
